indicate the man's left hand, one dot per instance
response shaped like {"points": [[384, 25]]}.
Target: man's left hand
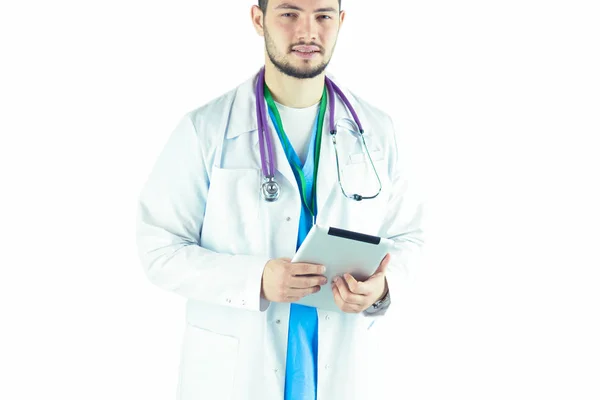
{"points": [[352, 296]]}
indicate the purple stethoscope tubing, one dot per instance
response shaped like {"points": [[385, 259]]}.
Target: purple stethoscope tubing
{"points": [[263, 136], [267, 161]]}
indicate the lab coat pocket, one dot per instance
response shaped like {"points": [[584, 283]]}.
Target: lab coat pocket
{"points": [[208, 367], [232, 210], [362, 157], [233, 194], [360, 176]]}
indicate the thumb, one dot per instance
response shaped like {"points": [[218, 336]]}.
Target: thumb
{"points": [[381, 270]]}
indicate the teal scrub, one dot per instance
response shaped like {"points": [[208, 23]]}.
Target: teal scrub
{"points": [[302, 349]]}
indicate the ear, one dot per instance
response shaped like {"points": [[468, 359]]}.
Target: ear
{"points": [[257, 19], [342, 17]]}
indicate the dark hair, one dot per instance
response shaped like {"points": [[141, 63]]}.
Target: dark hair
{"points": [[263, 5]]}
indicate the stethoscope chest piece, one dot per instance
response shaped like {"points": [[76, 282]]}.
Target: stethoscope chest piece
{"points": [[270, 189]]}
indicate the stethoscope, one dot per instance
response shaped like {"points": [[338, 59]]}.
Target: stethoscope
{"points": [[270, 188]]}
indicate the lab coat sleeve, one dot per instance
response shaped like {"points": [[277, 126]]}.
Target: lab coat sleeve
{"points": [[403, 224], [169, 223]]}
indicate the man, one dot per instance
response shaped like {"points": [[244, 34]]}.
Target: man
{"points": [[206, 232]]}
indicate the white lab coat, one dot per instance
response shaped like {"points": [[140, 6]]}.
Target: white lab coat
{"points": [[205, 233]]}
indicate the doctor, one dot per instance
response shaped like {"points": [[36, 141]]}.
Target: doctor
{"points": [[233, 194]]}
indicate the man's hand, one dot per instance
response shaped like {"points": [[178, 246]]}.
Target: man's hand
{"points": [[352, 296], [286, 282]]}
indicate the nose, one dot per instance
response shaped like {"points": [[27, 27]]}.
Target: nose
{"points": [[307, 29]]}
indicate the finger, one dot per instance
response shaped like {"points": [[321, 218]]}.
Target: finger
{"points": [[337, 298], [302, 282], [383, 264], [382, 269], [300, 293], [346, 295], [356, 287], [307, 269], [345, 307]]}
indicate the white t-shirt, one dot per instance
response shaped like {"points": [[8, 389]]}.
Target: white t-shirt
{"points": [[298, 124]]}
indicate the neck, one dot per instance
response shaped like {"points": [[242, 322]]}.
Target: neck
{"points": [[293, 92]]}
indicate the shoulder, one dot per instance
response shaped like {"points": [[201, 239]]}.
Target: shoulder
{"points": [[213, 114], [203, 128], [372, 116], [372, 113]]}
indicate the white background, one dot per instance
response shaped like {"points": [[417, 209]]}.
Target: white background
{"points": [[498, 101]]}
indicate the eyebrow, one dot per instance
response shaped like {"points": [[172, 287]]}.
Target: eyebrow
{"points": [[293, 7]]}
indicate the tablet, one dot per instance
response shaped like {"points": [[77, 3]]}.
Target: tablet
{"points": [[340, 251]]}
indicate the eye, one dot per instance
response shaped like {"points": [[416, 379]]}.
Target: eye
{"points": [[324, 17], [288, 15]]}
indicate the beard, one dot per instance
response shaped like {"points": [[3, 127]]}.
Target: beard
{"points": [[284, 65]]}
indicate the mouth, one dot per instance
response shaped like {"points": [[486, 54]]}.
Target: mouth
{"points": [[306, 51]]}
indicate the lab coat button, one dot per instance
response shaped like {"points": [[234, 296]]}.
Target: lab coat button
{"points": [[288, 219], [326, 366], [278, 321], [228, 300], [327, 317], [243, 302]]}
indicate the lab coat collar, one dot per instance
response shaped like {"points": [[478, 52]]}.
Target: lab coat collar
{"points": [[242, 118], [243, 112], [243, 121]]}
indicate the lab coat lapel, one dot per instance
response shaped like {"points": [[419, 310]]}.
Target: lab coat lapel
{"points": [[282, 164], [327, 179], [243, 121]]}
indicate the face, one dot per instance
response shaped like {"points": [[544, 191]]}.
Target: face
{"points": [[300, 35]]}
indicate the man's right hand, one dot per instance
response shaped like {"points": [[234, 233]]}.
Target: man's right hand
{"points": [[287, 282]]}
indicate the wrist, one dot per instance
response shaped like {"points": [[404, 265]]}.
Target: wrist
{"points": [[386, 290], [383, 300]]}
